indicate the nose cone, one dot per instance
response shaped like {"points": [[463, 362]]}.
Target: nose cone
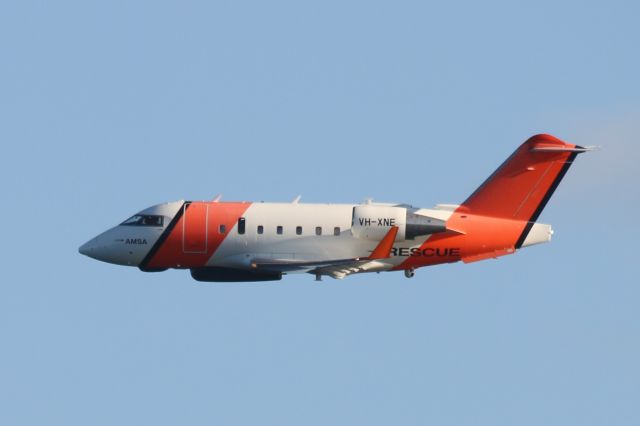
{"points": [[93, 249], [122, 245], [111, 248], [84, 249]]}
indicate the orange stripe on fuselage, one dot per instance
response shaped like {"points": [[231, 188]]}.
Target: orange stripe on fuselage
{"points": [[185, 247]]}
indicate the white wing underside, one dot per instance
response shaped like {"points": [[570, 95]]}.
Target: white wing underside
{"points": [[338, 268], [341, 271]]}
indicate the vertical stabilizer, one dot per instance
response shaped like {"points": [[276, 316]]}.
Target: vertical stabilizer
{"points": [[521, 187]]}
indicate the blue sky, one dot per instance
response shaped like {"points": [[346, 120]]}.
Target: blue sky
{"points": [[110, 107]]}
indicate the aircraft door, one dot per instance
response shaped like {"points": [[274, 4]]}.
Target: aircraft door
{"points": [[195, 228]]}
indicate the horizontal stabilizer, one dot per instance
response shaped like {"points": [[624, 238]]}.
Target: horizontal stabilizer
{"points": [[577, 148]]}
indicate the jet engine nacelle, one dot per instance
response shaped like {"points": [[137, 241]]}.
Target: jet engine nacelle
{"points": [[372, 222]]}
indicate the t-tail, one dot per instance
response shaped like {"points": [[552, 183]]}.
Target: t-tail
{"points": [[521, 187]]}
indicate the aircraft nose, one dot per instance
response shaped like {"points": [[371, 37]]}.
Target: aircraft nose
{"points": [[103, 248], [84, 249], [90, 248], [119, 245]]}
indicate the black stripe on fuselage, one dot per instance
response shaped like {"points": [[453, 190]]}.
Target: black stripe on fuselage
{"points": [[545, 199], [163, 237]]}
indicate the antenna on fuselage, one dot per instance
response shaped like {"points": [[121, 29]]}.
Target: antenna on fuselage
{"points": [[295, 200], [217, 198]]}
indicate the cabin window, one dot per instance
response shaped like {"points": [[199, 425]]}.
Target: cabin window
{"points": [[336, 231], [222, 229], [260, 229], [241, 225], [318, 230], [279, 230], [298, 230]]}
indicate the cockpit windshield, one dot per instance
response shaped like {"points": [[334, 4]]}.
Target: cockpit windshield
{"points": [[144, 220]]}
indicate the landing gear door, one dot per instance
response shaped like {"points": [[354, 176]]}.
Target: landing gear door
{"points": [[195, 228]]}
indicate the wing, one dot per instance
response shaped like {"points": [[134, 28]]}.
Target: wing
{"points": [[336, 268], [341, 271], [291, 265]]}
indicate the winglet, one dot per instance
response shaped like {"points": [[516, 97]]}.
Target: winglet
{"points": [[383, 250]]}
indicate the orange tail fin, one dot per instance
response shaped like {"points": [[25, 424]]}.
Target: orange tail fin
{"points": [[521, 187]]}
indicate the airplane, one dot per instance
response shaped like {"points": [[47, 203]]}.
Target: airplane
{"points": [[257, 241]]}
